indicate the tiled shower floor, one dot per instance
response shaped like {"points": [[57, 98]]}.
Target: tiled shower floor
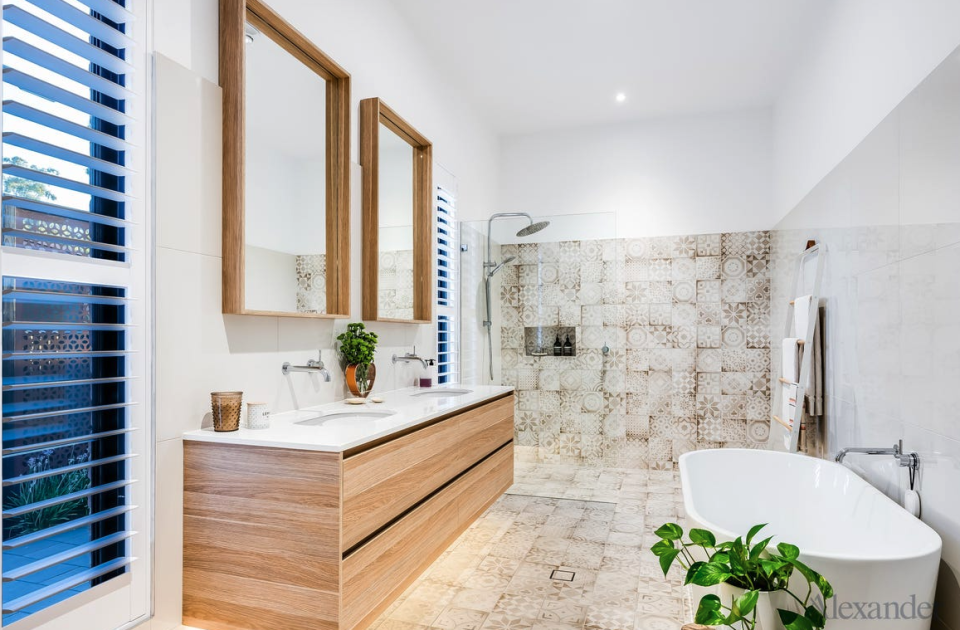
{"points": [[566, 548]]}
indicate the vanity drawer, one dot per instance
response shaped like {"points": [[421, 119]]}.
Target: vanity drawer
{"points": [[375, 573], [385, 481], [383, 567], [483, 485], [382, 483], [484, 430]]}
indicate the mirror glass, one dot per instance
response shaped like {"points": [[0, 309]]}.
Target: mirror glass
{"points": [[395, 299], [285, 181]]}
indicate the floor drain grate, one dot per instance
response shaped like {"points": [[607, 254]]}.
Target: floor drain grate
{"points": [[562, 576]]}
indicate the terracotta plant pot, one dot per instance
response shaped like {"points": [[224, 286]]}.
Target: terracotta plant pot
{"points": [[360, 378]]}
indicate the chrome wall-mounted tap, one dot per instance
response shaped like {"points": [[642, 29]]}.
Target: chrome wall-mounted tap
{"points": [[313, 366], [906, 460], [410, 357]]}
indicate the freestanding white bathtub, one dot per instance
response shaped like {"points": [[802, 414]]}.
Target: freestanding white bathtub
{"points": [[881, 561]]}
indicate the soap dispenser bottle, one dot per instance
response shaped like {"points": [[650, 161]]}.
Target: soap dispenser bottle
{"points": [[557, 347], [429, 374], [568, 348]]}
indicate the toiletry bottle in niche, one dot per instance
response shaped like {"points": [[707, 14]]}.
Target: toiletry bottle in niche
{"points": [[557, 347], [568, 348]]}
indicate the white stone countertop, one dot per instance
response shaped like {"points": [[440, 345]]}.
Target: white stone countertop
{"points": [[410, 407]]}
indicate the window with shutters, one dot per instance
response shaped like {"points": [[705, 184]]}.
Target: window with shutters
{"points": [[448, 289], [76, 299]]}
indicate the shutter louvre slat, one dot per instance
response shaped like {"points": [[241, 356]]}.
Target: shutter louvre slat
{"points": [[66, 469], [63, 212], [67, 498], [66, 584], [64, 240], [27, 21], [56, 297], [57, 413], [64, 68], [60, 153], [40, 117], [62, 182], [14, 450], [53, 92], [43, 534], [87, 381], [29, 569], [85, 22], [22, 356], [110, 10]]}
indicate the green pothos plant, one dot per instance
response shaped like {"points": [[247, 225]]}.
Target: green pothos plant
{"points": [[746, 565]]}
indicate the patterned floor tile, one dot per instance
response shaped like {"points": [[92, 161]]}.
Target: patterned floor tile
{"points": [[563, 611], [594, 524], [454, 618], [501, 621]]}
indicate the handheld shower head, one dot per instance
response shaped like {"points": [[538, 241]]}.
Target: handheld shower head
{"points": [[497, 267], [533, 228]]}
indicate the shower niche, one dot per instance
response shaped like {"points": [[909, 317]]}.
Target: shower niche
{"points": [[550, 341]]}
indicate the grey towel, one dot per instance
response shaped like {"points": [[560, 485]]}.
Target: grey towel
{"points": [[813, 394]]}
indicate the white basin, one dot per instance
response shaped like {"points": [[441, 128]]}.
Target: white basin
{"points": [[446, 392], [345, 418], [869, 548]]}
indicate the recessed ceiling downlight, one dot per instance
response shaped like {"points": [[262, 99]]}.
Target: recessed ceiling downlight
{"points": [[621, 97], [250, 33]]}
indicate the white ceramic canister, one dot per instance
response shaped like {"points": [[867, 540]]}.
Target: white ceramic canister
{"points": [[258, 416]]}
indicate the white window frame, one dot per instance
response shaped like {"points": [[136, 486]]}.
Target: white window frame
{"points": [[127, 600]]}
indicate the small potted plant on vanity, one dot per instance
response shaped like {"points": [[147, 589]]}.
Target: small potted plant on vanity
{"points": [[754, 583], [356, 356]]}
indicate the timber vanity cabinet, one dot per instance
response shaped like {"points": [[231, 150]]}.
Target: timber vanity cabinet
{"points": [[306, 539]]}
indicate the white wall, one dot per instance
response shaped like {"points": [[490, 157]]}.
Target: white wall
{"points": [[376, 46], [869, 55], [683, 175], [889, 216], [270, 280], [200, 350]]}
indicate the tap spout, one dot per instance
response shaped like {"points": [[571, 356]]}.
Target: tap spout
{"points": [[313, 366]]}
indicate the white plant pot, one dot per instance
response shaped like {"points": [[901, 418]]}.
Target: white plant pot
{"points": [[767, 605]]}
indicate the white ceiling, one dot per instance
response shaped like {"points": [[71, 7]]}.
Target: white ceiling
{"points": [[531, 65]]}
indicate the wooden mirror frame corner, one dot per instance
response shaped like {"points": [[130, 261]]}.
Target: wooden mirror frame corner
{"points": [[233, 15], [374, 111]]}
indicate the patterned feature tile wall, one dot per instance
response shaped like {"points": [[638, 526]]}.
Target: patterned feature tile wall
{"points": [[686, 324], [396, 284], [312, 283]]}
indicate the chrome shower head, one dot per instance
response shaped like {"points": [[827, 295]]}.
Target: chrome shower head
{"points": [[533, 228]]}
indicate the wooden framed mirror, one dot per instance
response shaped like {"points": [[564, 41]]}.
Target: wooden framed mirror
{"points": [[286, 160], [397, 163]]}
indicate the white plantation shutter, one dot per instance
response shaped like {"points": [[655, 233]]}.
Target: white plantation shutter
{"points": [[76, 327], [448, 289]]}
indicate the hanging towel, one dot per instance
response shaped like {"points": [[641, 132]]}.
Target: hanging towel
{"points": [[813, 390], [790, 359], [813, 387]]}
